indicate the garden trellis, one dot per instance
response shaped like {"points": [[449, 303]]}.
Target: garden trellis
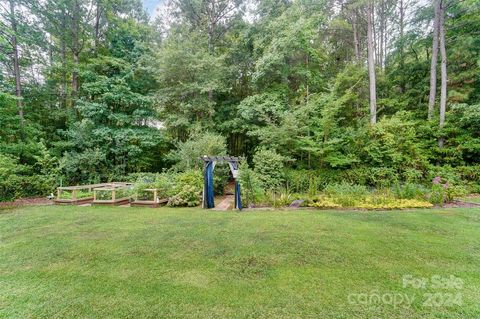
{"points": [[208, 168]]}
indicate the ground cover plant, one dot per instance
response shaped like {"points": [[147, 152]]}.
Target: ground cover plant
{"points": [[110, 262]]}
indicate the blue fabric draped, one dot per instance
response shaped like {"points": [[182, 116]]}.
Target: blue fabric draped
{"points": [[208, 185], [208, 193], [238, 196]]}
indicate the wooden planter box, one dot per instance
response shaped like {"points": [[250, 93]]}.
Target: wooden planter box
{"points": [[74, 200], [112, 188], [154, 202]]}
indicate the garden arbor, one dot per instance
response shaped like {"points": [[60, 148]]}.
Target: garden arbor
{"points": [[209, 163]]}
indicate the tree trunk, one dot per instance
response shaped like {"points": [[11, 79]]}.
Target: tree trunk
{"points": [[371, 66], [16, 61], [433, 66], [443, 88], [381, 32], [211, 36], [97, 25], [402, 57], [355, 36], [75, 50], [63, 56]]}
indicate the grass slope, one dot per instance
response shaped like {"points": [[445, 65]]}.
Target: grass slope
{"points": [[106, 262]]}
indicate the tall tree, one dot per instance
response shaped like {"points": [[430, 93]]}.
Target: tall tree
{"points": [[433, 66], [371, 65], [443, 54], [12, 40]]}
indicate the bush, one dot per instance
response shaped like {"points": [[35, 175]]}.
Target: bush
{"points": [[15, 181], [409, 191], [187, 189], [188, 153], [189, 196], [269, 167], [251, 189]]}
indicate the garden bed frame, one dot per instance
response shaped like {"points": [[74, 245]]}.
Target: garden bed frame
{"points": [[111, 187], [150, 203], [74, 189]]}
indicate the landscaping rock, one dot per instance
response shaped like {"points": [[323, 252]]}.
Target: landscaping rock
{"points": [[297, 203]]}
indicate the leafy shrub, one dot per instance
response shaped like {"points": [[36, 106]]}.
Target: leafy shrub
{"points": [[188, 153], [455, 191], [443, 191], [409, 191], [189, 196], [15, 181], [269, 167], [187, 189], [191, 177], [438, 194], [250, 185]]}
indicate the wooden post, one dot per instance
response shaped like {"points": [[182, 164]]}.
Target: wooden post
{"points": [[113, 195], [155, 199], [59, 192], [74, 195], [94, 195]]}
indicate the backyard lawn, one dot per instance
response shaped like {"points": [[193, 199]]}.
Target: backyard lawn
{"points": [[110, 262]]}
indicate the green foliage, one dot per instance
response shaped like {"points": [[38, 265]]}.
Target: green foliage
{"points": [[346, 194], [250, 184], [187, 189], [163, 182], [409, 191], [188, 154], [269, 167], [80, 194], [357, 196], [189, 196]]}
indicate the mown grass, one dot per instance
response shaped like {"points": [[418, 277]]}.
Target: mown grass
{"points": [[107, 262], [472, 199]]}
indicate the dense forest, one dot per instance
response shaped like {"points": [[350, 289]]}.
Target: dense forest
{"points": [[311, 92]]}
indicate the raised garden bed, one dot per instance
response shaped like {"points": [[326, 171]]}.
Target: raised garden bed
{"points": [[76, 195], [112, 194], [149, 198]]}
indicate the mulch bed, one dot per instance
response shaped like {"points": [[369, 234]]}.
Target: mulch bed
{"points": [[461, 204], [26, 202]]}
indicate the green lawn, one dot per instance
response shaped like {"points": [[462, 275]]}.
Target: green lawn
{"points": [[472, 199], [105, 262]]}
